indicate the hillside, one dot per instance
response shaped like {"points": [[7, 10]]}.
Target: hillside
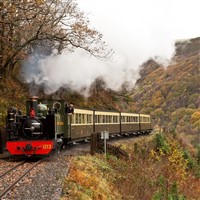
{"points": [[172, 94]]}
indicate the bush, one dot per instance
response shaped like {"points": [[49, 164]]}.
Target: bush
{"points": [[161, 143]]}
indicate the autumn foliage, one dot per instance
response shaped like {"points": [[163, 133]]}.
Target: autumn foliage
{"points": [[159, 168]]}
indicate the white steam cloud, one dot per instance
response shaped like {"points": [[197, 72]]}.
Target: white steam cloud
{"points": [[135, 29], [77, 71]]}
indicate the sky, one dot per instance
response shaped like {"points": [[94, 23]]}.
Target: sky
{"points": [[135, 29]]}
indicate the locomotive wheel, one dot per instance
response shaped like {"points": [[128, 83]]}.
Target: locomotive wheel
{"points": [[2, 140]]}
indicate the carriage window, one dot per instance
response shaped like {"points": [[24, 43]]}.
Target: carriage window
{"points": [[98, 118], [110, 119], [89, 118], [131, 119], [82, 118], [145, 119], [104, 119], [107, 118], [123, 119], [115, 120], [79, 118], [76, 118]]}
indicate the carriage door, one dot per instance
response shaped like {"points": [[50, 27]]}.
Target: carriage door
{"points": [[69, 121]]}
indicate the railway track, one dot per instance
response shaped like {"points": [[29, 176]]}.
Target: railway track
{"points": [[11, 177]]}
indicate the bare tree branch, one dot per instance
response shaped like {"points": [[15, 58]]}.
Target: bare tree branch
{"points": [[44, 26]]}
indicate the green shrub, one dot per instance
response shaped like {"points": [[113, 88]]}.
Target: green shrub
{"points": [[161, 143], [188, 157]]}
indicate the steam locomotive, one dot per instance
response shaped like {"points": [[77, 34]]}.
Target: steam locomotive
{"points": [[50, 124]]}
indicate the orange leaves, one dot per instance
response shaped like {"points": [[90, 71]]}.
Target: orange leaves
{"points": [[173, 166], [157, 99], [177, 163], [38, 2], [88, 179], [195, 118], [83, 178], [150, 172]]}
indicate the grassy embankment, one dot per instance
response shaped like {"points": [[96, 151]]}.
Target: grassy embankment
{"points": [[159, 167]]}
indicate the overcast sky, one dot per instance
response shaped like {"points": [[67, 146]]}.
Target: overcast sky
{"points": [[135, 29], [144, 28]]}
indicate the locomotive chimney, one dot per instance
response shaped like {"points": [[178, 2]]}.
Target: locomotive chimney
{"points": [[34, 103]]}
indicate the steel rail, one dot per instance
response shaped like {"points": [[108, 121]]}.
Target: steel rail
{"points": [[18, 179], [11, 169]]}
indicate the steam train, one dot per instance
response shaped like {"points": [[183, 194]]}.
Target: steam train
{"points": [[49, 124]]}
